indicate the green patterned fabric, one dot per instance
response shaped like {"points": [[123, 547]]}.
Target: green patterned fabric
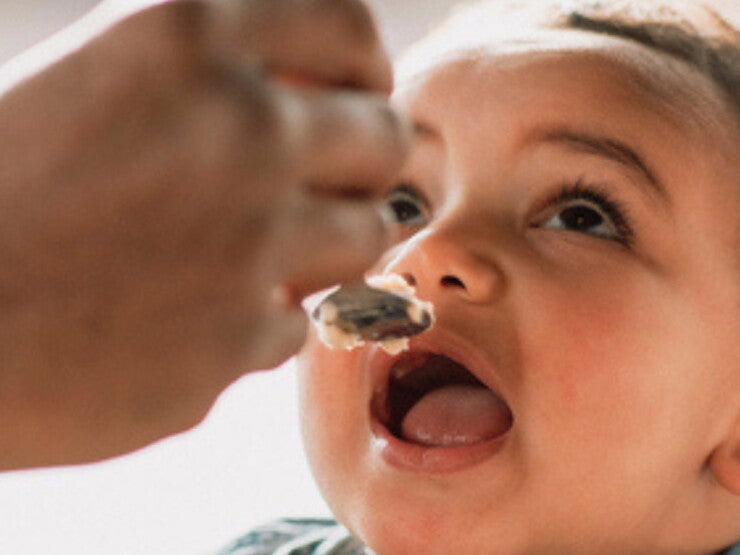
{"points": [[297, 537], [313, 537]]}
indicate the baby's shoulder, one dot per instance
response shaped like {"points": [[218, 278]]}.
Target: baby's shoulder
{"points": [[296, 536]]}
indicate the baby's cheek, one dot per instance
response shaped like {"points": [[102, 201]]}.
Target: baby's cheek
{"points": [[329, 380], [612, 378], [332, 400]]}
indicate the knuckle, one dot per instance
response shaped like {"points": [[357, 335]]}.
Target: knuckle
{"points": [[258, 105], [261, 104], [355, 16], [171, 33]]}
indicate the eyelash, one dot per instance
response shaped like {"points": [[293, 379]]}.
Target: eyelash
{"points": [[405, 192], [614, 209], [568, 192]]}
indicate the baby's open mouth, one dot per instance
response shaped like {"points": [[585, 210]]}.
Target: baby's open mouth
{"points": [[434, 401]]}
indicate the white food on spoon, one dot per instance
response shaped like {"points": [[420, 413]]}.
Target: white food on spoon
{"points": [[335, 338]]}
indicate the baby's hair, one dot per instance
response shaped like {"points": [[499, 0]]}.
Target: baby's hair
{"points": [[687, 30], [712, 46]]}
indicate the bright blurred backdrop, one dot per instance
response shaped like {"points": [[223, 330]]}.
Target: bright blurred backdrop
{"points": [[192, 493]]}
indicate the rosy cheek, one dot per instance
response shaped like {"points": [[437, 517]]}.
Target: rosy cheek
{"points": [[582, 372], [333, 407], [331, 389], [331, 370]]}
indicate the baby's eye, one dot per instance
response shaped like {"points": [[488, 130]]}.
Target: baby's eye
{"points": [[582, 216], [588, 210], [405, 205]]}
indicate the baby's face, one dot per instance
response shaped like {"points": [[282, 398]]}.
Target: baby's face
{"points": [[570, 208]]}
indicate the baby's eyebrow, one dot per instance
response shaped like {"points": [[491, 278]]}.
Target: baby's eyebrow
{"points": [[605, 147]]}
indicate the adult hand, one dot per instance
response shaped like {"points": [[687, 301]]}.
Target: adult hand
{"points": [[158, 183]]}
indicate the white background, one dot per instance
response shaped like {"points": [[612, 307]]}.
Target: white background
{"points": [[193, 493]]}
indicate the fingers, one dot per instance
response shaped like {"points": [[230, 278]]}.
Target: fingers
{"points": [[347, 144], [322, 242], [323, 42], [334, 42]]}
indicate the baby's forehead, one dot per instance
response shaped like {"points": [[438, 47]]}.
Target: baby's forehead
{"points": [[655, 78]]}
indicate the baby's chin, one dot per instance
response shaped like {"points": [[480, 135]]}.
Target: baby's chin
{"points": [[392, 512]]}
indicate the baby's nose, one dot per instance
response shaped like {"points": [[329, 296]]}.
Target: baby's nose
{"points": [[439, 262]]}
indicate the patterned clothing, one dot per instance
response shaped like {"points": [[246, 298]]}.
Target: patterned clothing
{"points": [[319, 536]]}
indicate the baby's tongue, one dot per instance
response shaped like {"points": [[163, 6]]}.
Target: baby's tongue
{"points": [[456, 415]]}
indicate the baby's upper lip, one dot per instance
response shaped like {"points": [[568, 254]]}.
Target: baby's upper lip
{"points": [[442, 342]]}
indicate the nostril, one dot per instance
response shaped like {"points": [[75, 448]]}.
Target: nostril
{"points": [[410, 279], [452, 281]]}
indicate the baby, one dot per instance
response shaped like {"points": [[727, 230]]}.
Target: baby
{"points": [[571, 210]]}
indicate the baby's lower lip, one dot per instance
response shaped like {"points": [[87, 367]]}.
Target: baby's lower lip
{"points": [[413, 457], [399, 451]]}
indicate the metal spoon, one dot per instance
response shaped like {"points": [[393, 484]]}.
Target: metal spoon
{"points": [[373, 314]]}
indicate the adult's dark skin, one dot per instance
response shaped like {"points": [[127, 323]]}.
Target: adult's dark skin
{"points": [[160, 180]]}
